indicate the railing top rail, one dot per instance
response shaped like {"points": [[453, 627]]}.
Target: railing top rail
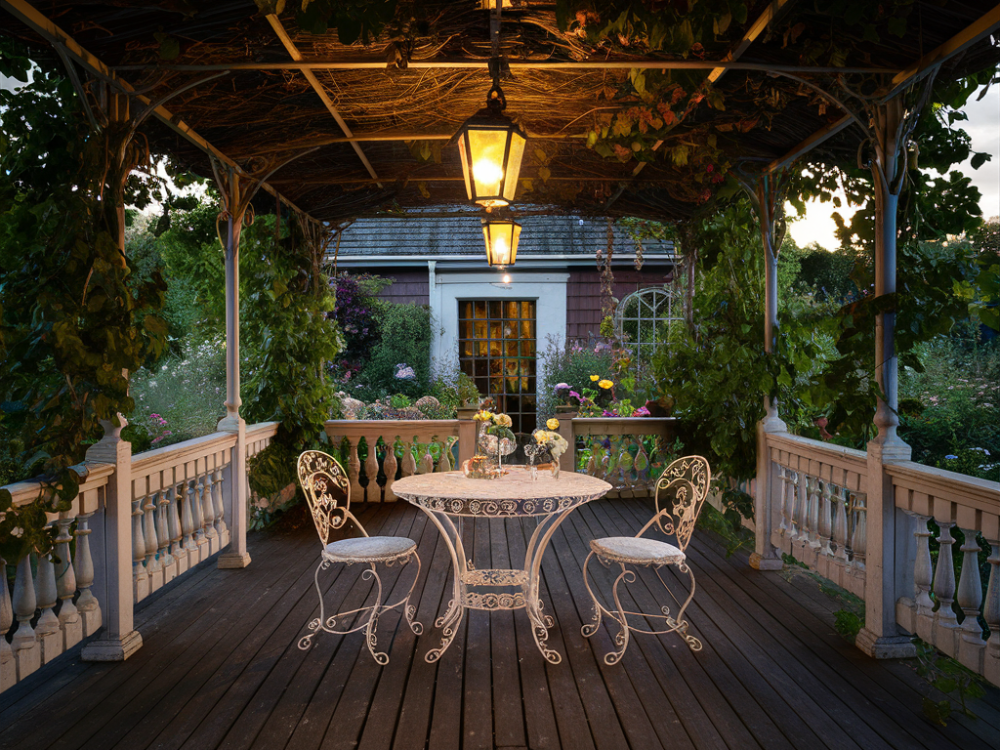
{"points": [[92, 476], [851, 458], [622, 425], [173, 455], [961, 489], [403, 428], [262, 430]]}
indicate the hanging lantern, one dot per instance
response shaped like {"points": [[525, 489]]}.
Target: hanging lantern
{"points": [[501, 237], [492, 147]]}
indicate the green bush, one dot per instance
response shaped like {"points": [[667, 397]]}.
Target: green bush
{"points": [[572, 364], [404, 342]]}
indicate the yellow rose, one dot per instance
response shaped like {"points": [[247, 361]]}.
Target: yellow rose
{"points": [[606, 384], [541, 436], [552, 424], [504, 420], [594, 378]]}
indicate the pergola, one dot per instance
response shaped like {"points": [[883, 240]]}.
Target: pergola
{"points": [[336, 131]]}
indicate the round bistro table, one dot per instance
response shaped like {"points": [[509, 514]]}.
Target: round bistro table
{"points": [[450, 495]]}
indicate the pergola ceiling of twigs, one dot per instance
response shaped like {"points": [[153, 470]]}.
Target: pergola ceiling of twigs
{"points": [[402, 96]]}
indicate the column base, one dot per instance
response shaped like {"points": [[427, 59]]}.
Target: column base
{"points": [[233, 560], [886, 646], [759, 562], [107, 649]]}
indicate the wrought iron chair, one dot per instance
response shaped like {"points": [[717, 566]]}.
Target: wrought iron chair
{"points": [[680, 492], [328, 492]]}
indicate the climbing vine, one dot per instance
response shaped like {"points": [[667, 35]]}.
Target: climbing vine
{"points": [[73, 321]]}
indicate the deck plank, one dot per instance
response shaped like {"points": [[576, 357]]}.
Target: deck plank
{"points": [[220, 667]]}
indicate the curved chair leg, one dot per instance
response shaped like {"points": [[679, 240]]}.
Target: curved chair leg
{"points": [[410, 611], [621, 640], [315, 625], [595, 622], [370, 638], [680, 623]]}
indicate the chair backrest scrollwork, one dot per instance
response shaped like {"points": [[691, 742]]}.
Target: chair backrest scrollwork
{"points": [[328, 492], [680, 492]]}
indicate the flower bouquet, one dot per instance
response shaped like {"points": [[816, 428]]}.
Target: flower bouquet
{"points": [[495, 441], [553, 442]]}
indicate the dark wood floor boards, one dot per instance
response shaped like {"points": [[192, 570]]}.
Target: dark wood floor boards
{"points": [[508, 706], [855, 679], [738, 641], [554, 714], [858, 681], [88, 704], [735, 720], [597, 686], [270, 663], [220, 669]]}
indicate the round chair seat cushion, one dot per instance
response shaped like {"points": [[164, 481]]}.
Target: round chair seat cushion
{"points": [[636, 551], [370, 549]]}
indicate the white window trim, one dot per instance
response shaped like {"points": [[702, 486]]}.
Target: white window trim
{"points": [[548, 290]]}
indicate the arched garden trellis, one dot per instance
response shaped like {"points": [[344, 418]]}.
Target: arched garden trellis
{"points": [[643, 319]]}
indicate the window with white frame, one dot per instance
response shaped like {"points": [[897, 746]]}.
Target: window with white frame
{"points": [[644, 318]]}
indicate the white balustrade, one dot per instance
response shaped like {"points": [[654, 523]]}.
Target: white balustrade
{"points": [[423, 445], [941, 610], [624, 451], [820, 509]]}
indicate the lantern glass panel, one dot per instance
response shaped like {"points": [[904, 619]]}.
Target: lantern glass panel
{"points": [[501, 242], [517, 143], [487, 148]]}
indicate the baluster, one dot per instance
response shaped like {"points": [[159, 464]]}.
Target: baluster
{"points": [[409, 463], [444, 463], [923, 572], [859, 539], [641, 464], [69, 617], [840, 523], [208, 510], [991, 606], [83, 563], [140, 581], [220, 508], [611, 473], [373, 492], [625, 466], [592, 463], [944, 578], [389, 466], [47, 628], [783, 512], [169, 572], [793, 504], [970, 588], [151, 543], [187, 522], [813, 521], [24, 644], [176, 530], [354, 469], [802, 506], [826, 520], [427, 460], [197, 491], [8, 666]]}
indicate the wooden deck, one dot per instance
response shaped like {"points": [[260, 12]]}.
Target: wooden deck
{"points": [[219, 667]]}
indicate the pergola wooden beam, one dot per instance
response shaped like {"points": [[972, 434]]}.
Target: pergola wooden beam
{"points": [[773, 11], [293, 51], [821, 135], [988, 24], [40, 24], [537, 65]]}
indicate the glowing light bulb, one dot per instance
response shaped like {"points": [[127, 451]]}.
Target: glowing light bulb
{"points": [[506, 278], [501, 250], [488, 172]]}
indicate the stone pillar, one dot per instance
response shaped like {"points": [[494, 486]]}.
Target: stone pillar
{"points": [[118, 639]]}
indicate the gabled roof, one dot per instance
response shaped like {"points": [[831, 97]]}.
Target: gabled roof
{"points": [[448, 236]]}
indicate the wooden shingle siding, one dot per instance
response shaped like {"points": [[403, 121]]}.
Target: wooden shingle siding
{"points": [[583, 295], [409, 285]]}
